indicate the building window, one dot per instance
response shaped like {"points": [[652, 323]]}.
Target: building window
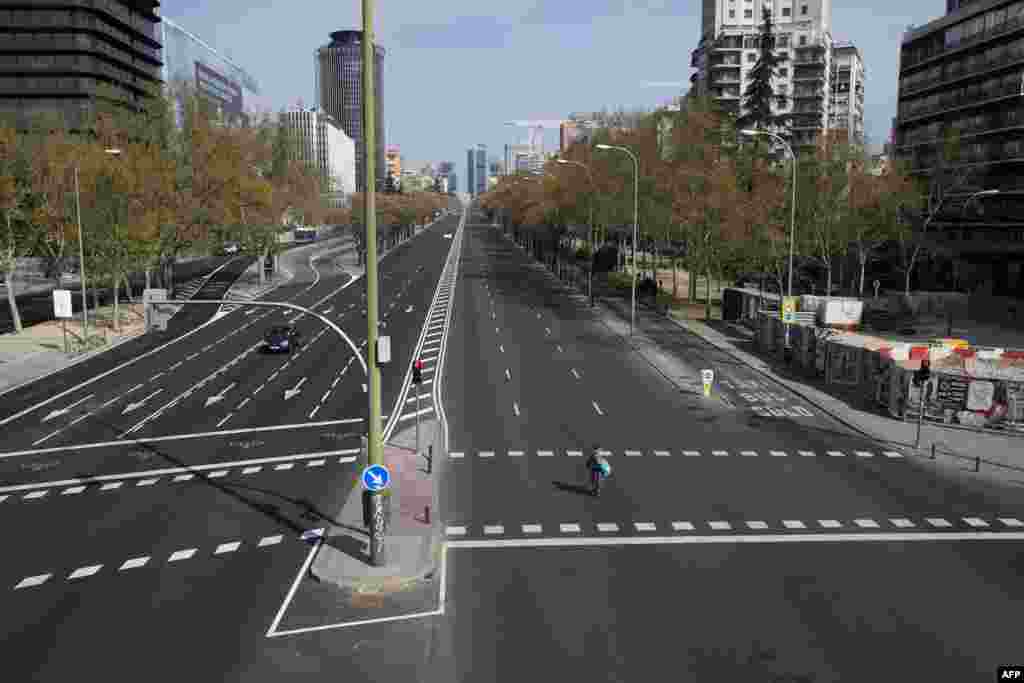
{"points": [[784, 73], [785, 11], [732, 14], [803, 40], [803, 9], [751, 57], [748, 14]]}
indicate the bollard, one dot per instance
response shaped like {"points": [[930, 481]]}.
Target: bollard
{"points": [[426, 514], [933, 451], [977, 463], [430, 458]]}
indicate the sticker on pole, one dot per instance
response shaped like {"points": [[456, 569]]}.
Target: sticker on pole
{"points": [[376, 478], [708, 378], [789, 309]]}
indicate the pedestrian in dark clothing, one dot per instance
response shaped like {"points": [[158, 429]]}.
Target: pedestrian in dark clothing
{"points": [[599, 469]]}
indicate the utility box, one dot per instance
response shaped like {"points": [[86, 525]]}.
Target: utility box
{"points": [[157, 314]]}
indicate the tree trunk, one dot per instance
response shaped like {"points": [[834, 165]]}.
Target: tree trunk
{"points": [[260, 266], [95, 298], [128, 289], [863, 267], [117, 317], [148, 278], [675, 278], [707, 303], [11, 299]]}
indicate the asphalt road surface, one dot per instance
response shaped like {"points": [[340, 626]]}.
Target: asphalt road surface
{"points": [[730, 543]]}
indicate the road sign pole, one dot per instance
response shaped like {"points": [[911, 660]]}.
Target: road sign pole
{"points": [[375, 450], [417, 419], [64, 329]]}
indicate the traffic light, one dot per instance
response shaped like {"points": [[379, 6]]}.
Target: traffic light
{"points": [[922, 374], [417, 372]]}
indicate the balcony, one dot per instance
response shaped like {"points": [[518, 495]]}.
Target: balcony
{"points": [[808, 95], [1008, 26], [726, 96], [728, 43], [983, 68], [809, 77], [960, 101], [729, 64]]}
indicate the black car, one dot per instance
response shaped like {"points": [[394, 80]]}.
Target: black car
{"points": [[282, 338]]}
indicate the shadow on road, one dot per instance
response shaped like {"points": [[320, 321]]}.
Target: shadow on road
{"points": [[572, 488]]}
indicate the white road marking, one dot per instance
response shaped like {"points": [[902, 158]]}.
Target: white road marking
{"points": [[864, 454], [779, 454], [456, 454], [316, 463], [83, 572], [491, 529], [571, 528], [574, 373], [455, 531], [176, 365], [597, 408], [691, 454], [486, 454], [501, 347], [749, 454], [284, 466], [866, 523], [313, 413], [559, 347], [644, 526], [273, 376], [227, 547], [515, 408], [260, 388], [33, 581], [146, 482], [634, 454], [720, 454], [182, 554], [607, 527], [736, 539], [156, 376], [112, 485], [836, 454], [251, 470], [830, 523], [902, 523], [892, 454], [134, 563], [269, 540], [807, 454], [242, 404], [515, 454], [72, 491], [410, 416], [545, 454], [228, 417], [547, 330], [719, 525], [662, 454], [757, 525], [574, 454], [184, 477], [793, 524], [218, 474], [1011, 522], [497, 331], [532, 528], [976, 522], [35, 494], [508, 375], [938, 522]]}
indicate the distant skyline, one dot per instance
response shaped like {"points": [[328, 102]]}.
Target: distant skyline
{"points": [[456, 71]]}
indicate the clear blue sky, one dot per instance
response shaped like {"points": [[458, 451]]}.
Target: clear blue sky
{"points": [[457, 69]]}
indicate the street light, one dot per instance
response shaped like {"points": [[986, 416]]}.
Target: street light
{"points": [[81, 248], [636, 221], [792, 222], [593, 192]]}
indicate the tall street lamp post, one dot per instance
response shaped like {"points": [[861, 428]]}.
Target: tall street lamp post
{"points": [[792, 220], [636, 222], [593, 191]]}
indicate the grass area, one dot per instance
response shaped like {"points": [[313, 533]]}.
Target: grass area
{"points": [[50, 335]]}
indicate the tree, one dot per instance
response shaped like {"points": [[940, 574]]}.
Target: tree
{"points": [[758, 97], [13, 195]]}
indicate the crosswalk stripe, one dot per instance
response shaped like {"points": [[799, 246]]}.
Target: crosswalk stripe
{"points": [[830, 523], [570, 528], [486, 454], [545, 454], [532, 528], [779, 454], [574, 454], [720, 454], [901, 522], [1011, 522], [691, 454], [607, 527], [682, 526], [938, 522], [749, 454], [892, 454], [633, 454], [793, 524], [515, 454], [757, 525], [975, 522], [719, 525], [491, 529], [866, 523], [645, 526], [456, 531], [662, 454], [807, 454], [837, 454], [864, 454]]}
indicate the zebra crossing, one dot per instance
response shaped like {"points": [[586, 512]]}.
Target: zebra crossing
{"points": [[461, 455], [188, 290]]}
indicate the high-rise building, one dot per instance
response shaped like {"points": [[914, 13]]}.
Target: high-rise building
{"points": [[846, 109], [339, 77], [730, 44], [188, 60], [54, 56], [394, 161], [961, 105], [471, 171], [453, 182], [321, 143], [480, 174]]}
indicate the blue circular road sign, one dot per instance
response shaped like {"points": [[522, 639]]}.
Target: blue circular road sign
{"points": [[376, 478]]}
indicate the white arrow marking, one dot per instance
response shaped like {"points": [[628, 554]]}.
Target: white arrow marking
{"points": [[328, 310], [294, 391], [220, 397], [64, 411], [408, 309], [134, 406], [375, 478]]}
